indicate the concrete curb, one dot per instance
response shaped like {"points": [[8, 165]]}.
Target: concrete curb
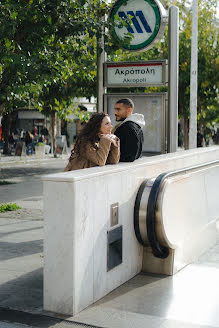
{"points": [[16, 160]]}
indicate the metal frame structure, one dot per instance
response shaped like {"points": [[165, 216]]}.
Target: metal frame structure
{"points": [[164, 98]]}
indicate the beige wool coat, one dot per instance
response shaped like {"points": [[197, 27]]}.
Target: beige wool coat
{"points": [[103, 152]]}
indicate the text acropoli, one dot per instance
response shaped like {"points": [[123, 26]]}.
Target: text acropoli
{"points": [[143, 80]]}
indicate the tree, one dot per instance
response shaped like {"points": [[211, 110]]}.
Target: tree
{"points": [[38, 39], [47, 51]]}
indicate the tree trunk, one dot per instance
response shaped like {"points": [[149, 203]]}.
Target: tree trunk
{"points": [[53, 131], [58, 126], [6, 128], [2, 108]]}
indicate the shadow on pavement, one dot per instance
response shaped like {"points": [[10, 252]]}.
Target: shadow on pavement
{"points": [[24, 293], [13, 250], [3, 234]]}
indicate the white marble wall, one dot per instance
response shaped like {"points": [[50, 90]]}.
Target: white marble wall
{"points": [[77, 218]]}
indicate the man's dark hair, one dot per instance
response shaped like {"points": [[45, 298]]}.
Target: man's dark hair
{"points": [[127, 102]]}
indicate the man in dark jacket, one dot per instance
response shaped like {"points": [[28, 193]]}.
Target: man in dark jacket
{"points": [[129, 130]]}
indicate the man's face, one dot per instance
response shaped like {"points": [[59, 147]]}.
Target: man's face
{"points": [[122, 112]]}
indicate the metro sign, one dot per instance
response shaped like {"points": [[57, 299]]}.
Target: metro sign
{"points": [[144, 19]]}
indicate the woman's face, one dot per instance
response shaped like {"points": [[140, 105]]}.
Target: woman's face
{"points": [[106, 126]]}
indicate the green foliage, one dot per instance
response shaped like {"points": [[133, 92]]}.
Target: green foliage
{"points": [[48, 51], [39, 144], [4, 182], [65, 109], [82, 115], [9, 207], [75, 110]]}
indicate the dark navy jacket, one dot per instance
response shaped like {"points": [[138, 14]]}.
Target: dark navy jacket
{"points": [[131, 140]]}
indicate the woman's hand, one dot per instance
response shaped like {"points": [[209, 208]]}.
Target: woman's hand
{"points": [[111, 137], [115, 140]]}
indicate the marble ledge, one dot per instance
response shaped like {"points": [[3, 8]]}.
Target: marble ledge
{"points": [[112, 169]]}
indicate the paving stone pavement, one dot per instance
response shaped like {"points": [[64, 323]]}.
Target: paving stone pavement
{"points": [[31, 209], [189, 299]]}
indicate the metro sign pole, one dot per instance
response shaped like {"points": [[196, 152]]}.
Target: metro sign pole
{"points": [[101, 56], [173, 68], [193, 78]]}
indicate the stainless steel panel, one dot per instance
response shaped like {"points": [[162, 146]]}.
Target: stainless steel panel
{"points": [[114, 214]]}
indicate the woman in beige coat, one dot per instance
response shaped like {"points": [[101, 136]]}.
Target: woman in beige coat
{"points": [[95, 145]]}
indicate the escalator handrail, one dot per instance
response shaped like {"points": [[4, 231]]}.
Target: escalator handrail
{"points": [[158, 249], [136, 213]]}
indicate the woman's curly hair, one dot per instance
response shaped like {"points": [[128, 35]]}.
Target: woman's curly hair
{"points": [[89, 132]]}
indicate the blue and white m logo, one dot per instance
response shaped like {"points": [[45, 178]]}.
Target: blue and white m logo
{"points": [[135, 20]]}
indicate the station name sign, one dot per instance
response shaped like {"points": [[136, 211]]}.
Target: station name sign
{"points": [[135, 74]]}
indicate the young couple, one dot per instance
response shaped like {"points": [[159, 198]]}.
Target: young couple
{"points": [[96, 145]]}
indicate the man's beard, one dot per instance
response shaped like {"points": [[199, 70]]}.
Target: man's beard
{"points": [[121, 119]]}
